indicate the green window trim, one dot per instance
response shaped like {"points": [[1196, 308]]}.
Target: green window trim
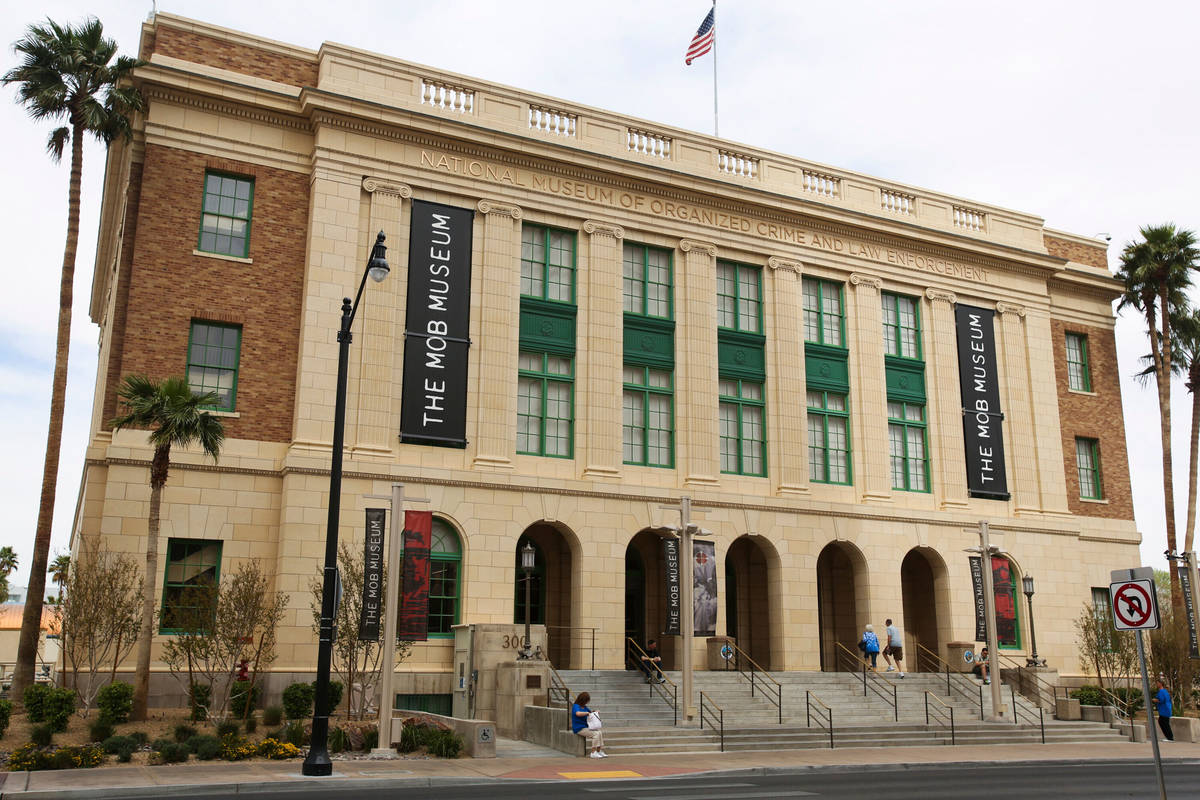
{"points": [[1005, 597], [1102, 612], [213, 358], [226, 209], [908, 447], [742, 427], [824, 313], [648, 417], [1087, 461], [545, 404], [901, 325], [192, 573], [739, 297], [1079, 374], [548, 264], [647, 281], [829, 458]]}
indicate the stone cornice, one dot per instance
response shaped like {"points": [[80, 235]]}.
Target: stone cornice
{"points": [[688, 245], [595, 228], [499, 209], [227, 107]]}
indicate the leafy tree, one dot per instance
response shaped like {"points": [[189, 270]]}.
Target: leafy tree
{"points": [[8, 563], [67, 74], [1112, 654], [175, 416]]}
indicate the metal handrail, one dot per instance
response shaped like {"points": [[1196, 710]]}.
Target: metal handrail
{"points": [[557, 685], [755, 670], [945, 709], [1120, 712], [809, 699], [964, 686], [719, 716], [1041, 686], [578, 628], [855, 661], [1017, 711], [670, 696]]}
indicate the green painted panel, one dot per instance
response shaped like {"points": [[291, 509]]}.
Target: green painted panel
{"points": [[826, 368], [741, 355], [649, 342], [905, 380], [547, 326]]}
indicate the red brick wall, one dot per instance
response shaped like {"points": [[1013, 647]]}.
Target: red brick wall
{"points": [[225, 54], [169, 286], [1093, 256], [1094, 416]]}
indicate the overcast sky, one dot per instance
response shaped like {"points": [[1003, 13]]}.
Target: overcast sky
{"points": [[1085, 115]]}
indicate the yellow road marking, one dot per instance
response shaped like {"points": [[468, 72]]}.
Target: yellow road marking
{"points": [[616, 773]]}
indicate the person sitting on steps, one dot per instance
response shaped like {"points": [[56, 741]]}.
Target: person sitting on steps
{"points": [[980, 670], [652, 663]]}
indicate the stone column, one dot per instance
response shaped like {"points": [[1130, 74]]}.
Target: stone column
{"points": [[868, 393], [787, 427], [1043, 393], [945, 401], [494, 386], [598, 397], [1022, 466], [696, 400]]}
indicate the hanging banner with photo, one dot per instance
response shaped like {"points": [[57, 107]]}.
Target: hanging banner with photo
{"points": [[979, 384], [414, 573], [1185, 580], [433, 406], [1005, 592], [671, 562], [977, 590], [704, 587], [372, 591]]}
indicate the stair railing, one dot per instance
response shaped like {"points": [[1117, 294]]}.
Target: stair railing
{"points": [[716, 717], [956, 682], [583, 637], [942, 713], [1043, 692], [1018, 711], [809, 699], [634, 653], [1122, 710], [558, 691], [770, 689], [872, 681]]}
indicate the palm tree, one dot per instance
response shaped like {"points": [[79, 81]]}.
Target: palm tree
{"points": [[1157, 273], [175, 415], [8, 563], [60, 567], [1187, 356], [67, 74]]}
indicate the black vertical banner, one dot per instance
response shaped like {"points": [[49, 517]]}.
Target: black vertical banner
{"points": [[979, 383], [414, 575], [372, 591], [433, 408], [980, 606], [671, 564], [1185, 580], [704, 588]]}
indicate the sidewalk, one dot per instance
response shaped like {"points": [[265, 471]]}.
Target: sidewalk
{"points": [[200, 779]]}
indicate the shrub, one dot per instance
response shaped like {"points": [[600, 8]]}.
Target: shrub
{"points": [[159, 744], [114, 744], [235, 748], [139, 737], [272, 748], [1088, 695], [100, 730], [173, 753], [444, 744], [125, 754], [337, 740], [35, 698], [238, 696], [371, 739], [183, 732], [59, 706], [26, 758], [84, 755], [227, 728], [204, 742], [273, 715], [251, 724], [41, 735], [410, 738], [115, 701], [298, 701], [294, 733], [336, 690], [199, 696], [5, 716]]}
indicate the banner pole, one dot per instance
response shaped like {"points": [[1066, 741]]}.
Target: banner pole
{"points": [[1151, 729], [716, 125]]}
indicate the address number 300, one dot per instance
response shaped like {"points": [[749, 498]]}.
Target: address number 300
{"points": [[513, 641]]}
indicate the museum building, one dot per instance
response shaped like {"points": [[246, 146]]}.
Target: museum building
{"points": [[588, 318]]}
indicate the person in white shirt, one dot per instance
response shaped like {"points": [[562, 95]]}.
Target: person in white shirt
{"points": [[893, 653]]}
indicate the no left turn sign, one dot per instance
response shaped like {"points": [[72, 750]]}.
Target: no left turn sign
{"points": [[1134, 605]]}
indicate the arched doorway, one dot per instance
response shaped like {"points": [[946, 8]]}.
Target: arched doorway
{"points": [[635, 596], [646, 596], [923, 586], [551, 592], [841, 585], [747, 597]]}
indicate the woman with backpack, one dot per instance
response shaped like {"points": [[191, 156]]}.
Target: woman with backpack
{"points": [[869, 644]]}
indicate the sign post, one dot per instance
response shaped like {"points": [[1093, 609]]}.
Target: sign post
{"points": [[1135, 608]]}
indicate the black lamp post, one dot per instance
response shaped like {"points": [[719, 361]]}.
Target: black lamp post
{"points": [[1027, 586], [317, 762], [528, 555]]}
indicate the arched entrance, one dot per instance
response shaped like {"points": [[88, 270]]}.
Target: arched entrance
{"points": [[645, 596], [841, 585], [747, 591], [551, 592], [923, 586]]}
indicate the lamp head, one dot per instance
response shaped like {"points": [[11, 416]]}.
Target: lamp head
{"points": [[528, 556], [378, 267], [1027, 583]]}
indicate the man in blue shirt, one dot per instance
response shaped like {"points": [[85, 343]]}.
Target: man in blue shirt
{"points": [[1162, 704]]}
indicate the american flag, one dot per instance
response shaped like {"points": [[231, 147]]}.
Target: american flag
{"points": [[705, 36]]}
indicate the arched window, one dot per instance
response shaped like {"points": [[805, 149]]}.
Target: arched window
{"points": [[537, 594], [445, 570], [1004, 586]]}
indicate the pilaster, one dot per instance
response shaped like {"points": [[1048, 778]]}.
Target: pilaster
{"points": [[599, 364], [696, 397], [1043, 392], [945, 400], [1023, 480], [868, 392], [787, 428]]}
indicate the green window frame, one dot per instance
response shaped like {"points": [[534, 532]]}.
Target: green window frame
{"points": [[908, 446], [1006, 605], [537, 594], [225, 215], [828, 438], [190, 580], [545, 404], [1087, 461], [648, 416], [647, 281], [901, 325], [1102, 612], [214, 353], [548, 263], [742, 414], [739, 297], [824, 313], [1079, 375], [445, 579]]}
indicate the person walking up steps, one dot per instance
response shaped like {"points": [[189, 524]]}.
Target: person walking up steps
{"points": [[870, 645], [893, 653]]}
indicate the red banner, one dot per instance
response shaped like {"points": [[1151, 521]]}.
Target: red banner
{"points": [[414, 586]]}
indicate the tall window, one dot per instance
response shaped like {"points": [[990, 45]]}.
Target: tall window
{"points": [[1087, 459], [828, 438], [225, 221], [823, 315], [1079, 375], [743, 437], [189, 583], [647, 417], [646, 281], [445, 568], [1004, 588], [906, 436], [548, 264], [739, 297], [1102, 612], [901, 326], [545, 412], [213, 354]]}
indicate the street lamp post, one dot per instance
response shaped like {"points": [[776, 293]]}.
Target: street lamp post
{"points": [[317, 762], [1027, 588], [528, 555]]}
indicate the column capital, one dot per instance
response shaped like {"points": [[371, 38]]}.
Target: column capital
{"points": [[499, 209], [858, 279], [786, 264], [688, 245], [1010, 308], [941, 294], [596, 228], [373, 185]]}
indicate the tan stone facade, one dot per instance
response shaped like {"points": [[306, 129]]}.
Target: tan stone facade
{"points": [[339, 143]]}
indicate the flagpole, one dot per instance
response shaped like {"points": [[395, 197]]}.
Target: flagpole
{"points": [[716, 125]]}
